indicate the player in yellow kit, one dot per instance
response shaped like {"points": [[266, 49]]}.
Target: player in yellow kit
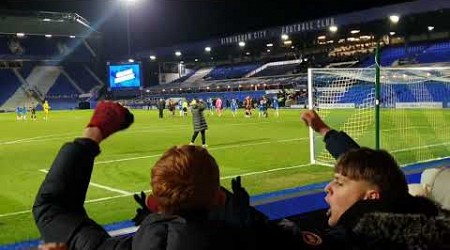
{"points": [[46, 108]]}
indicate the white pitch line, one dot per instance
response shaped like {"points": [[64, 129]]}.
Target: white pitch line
{"points": [[265, 171], [123, 192], [37, 138], [15, 213], [420, 147], [130, 194], [210, 149], [127, 159]]}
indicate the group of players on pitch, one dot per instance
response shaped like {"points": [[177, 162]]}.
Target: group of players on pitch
{"points": [[21, 112]]}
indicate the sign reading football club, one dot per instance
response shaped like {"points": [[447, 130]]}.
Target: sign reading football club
{"points": [[307, 26]]}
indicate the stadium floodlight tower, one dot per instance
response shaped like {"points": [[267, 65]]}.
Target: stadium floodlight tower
{"points": [[128, 3]]}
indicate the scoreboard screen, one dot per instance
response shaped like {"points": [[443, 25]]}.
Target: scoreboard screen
{"points": [[124, 76]]}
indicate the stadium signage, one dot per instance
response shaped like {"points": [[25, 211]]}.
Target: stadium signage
{"points": [[422, 105], [244, 37], [307, 26]]}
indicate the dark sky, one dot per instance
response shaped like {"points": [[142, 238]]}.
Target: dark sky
{"points": [[166, 22]]}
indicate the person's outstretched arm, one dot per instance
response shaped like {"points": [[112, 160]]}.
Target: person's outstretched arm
{"points": [[336, 142], [58, 208]]}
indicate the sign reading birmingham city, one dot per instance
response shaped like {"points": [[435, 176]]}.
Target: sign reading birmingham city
{"points": [[278, 31], [124, 76]]}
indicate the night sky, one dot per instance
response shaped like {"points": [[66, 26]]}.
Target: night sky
{"points": [[157, 23]]}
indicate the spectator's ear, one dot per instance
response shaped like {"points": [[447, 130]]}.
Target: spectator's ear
{"points": [[221, 198], [372, 194]]}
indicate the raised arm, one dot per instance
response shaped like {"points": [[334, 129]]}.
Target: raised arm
{"points": [[59, 205], [336, 142]]}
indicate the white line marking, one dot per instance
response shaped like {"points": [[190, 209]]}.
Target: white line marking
{"points": [[15, 213], [407, 128], [210, 149], [147, 191], [139, 130], [100, 186], [38, 138], [127, 159], [265, 171], [420, 147]]}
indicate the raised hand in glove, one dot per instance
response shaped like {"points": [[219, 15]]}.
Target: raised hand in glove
{"points": [[110, 117], [237, 210], [143, 211]]}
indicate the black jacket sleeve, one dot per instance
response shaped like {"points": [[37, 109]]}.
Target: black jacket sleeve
{"points": [[58, 208], [338, 143]]}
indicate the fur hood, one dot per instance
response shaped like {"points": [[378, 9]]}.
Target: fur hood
{"points": [[404, 231]]}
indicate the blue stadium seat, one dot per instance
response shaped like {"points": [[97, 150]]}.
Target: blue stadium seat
{"points": [[9, 83]]}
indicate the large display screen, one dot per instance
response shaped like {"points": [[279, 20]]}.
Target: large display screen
{"points": [[125, 76]]}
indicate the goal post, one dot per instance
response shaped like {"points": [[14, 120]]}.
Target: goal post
{"points": [[413, 110]]}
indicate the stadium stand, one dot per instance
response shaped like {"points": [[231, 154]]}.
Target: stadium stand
{"points": [[185, 77], [230, 71], [277, 70], [9, 84], [438, 52]]}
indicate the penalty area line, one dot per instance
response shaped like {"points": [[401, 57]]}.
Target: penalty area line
{"points": [[147, 191], [115, 190]]}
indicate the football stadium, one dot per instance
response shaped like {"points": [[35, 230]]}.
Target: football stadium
{"points": [[380, 72]]}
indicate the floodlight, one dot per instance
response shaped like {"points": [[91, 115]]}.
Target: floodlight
{"points": [[394, 18], [241, 44], [354, 31], [284, 37], [269, 45], [152, 58], [48, 35], [333, 28], [430, 28], [208, 49], [131, 60], [178, 53]]}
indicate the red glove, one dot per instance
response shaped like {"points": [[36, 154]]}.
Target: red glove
{"points": [[110, 117]]}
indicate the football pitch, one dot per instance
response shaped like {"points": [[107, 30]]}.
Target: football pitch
{"points": [[270, 153]]}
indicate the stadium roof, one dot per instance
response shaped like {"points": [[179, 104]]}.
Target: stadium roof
{"points": [[424, 11], [41, 23], [156, 23]]}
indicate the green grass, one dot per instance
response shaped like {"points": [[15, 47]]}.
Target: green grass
{"points": [[271, 154]]}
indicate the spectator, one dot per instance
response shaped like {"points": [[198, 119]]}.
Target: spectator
{"points": [[370, 207], [199, 121], [161, 105]]}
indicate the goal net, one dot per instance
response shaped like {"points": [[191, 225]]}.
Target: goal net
{"points": [[414, 119]]}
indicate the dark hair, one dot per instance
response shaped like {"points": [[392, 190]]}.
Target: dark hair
{"points": [[185, 178], [377, 167]]}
